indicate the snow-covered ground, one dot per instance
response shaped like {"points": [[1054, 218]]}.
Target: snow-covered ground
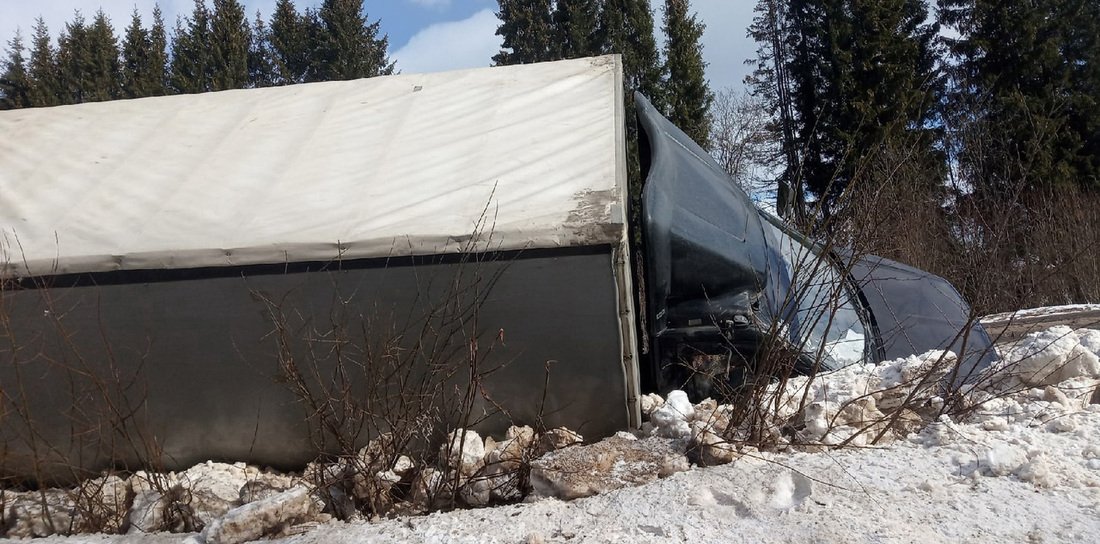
{"points": [[1022, 466], [909, 492]]}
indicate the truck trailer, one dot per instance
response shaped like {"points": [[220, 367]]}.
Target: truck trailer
{"points": [[265, 275]]}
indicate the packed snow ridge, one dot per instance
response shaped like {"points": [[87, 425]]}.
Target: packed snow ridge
{"points": [[1027, 429]]}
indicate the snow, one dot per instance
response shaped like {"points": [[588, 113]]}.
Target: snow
{"points": [[847, 350], [1045, 311], [1051, 356], [673, 417], [1019, 461]]}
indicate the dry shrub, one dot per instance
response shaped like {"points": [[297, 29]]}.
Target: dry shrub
{"points": [[379, 383], [101, 421], [1020, 246], [1004, 242]]}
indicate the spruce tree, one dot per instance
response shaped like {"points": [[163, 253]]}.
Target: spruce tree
{"points": [[881, 88], [290, 44], [527, 32], [230, 40], [143, 57], [15, 83], [1082, 24], [1026, 73], [687, 94], [812, 68], [576, 28], [74, 58], [88, 65], [103, 70], [192, 59], [845, 79], [136, 47], [349, 47], [628, 25], [156, 76], [43, 70], [261, 66]]}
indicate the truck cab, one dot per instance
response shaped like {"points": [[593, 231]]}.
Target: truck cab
{"points": [[732, 293]]}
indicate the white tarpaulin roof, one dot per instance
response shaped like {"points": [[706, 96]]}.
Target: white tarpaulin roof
{"points": [[392, 165]]}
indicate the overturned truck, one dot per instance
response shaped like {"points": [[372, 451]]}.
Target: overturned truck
{"points": [[268, 274]]}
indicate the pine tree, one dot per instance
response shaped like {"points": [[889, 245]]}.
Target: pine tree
{"points": [[348, 46], [812, 69], [527, 32], [143, 58], [103, 70], [43, 69], [74, 57], [628, 25], [687, 94], [261, 66], [290, 44], [881, 88], [1026, 74], [577, 28], [192, 59], [15, 83], [136, 47], [156, 76], [843, 79], [1082, 24], [230, 40]]}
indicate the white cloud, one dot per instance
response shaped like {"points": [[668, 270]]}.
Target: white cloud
{"points": [[469, 43]]}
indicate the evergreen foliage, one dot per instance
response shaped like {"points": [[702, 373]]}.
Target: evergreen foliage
{"points": [[261, 63], [1026, 71], [215, 47], [156, 76], [841, 77], [87, 61], [576, 28], [15, 83], [687, 95], [45, 87], [347, 46], [527, 32], [628, 29], [191, 56], [143, 63], [73, 61], [103, 61], [290, 44], [230, 40], [136, 47]]}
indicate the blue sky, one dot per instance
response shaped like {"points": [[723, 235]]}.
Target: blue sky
{"points": [[425, 35]]}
